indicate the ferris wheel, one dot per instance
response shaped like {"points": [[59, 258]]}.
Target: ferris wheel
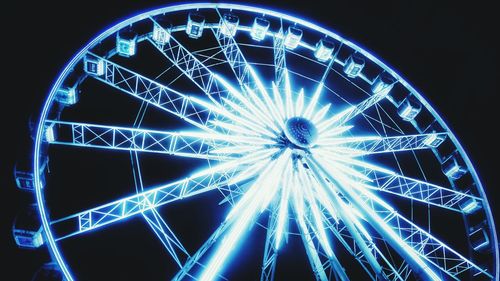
{"points": [[289, 132]]}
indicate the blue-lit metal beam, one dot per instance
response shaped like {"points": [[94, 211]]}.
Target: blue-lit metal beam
{"points": [[344, 116], [233, 54], [347, 217], [206, 180], [270, 250], [358, 146], [385, 180], [188, 108], [192, 68], [279, 56], [184, 144], [419, 248], [238, 219], [167, 237]]}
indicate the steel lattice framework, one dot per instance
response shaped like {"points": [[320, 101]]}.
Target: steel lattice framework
{"points": [[322, 163]]}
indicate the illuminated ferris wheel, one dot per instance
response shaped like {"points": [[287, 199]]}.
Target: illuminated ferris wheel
{"points": [[298, 135]]}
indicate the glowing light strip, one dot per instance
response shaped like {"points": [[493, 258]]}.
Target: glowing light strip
{"points": [[246, 208]]}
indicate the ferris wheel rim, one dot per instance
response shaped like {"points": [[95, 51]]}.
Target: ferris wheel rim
{"points": [[182, 7]]}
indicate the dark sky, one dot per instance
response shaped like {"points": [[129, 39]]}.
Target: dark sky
{"points": [[447, 50]]}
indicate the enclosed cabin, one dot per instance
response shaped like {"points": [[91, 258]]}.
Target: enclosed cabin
{"points": [[259, 29], [354, 65], [229, 24], [27, 230], [409, 108], [48, 272], [24, 176], [93, 65], [292, 37], [469, 205], [126, 42], [479, 238], [67, 95], [453, 168], [434, 140], [383, 83], [162, 29], [324, 50], [195, 25]]}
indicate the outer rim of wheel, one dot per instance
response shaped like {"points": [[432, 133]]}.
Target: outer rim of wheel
{"points": [[181, 7]]}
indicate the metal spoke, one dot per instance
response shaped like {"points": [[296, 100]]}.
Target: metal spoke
{"points": [[270, 249], [201, 182], [185, 144], [344, 116], [188, 108], [359, 146], [415, 245], [382, 179]]}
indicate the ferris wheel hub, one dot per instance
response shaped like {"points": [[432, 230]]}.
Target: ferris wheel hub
{"points": [[300, 132]]}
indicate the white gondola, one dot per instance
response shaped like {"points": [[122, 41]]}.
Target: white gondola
{"points": [[27, 230], [383, 83], [126, 41], [195, 25], [409, 108], [259, 29], [354, 65], [479, 239], [324, 50], [229, 24], [49, 133], [453, 169], [23, 174], [470, 206], [93, 65], [292, 37], [67, 95], [161, 31], [434, 140]]}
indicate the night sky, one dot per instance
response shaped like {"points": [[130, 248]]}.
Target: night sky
{"points": [[447, 50]]}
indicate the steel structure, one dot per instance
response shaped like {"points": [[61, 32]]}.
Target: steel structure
{"points": [[296, 126]]}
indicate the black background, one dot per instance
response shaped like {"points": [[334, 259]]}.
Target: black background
{"points": [[445, 49]]}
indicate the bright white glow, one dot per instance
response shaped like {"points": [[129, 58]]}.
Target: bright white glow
{"points": [[246, 209], [288, 94], [283, 207], [312, 104], [300, 103]]}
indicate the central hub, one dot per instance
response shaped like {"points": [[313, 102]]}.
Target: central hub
{"points": [[300, 132]]}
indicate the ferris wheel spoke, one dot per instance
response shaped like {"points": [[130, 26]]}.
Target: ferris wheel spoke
{"points": [[200, 145], [192, 68], [312, 252], [428, 257], [344, 116], [388, 181], [319, 226], [232, 52], [209, 179], [185, 107], [390, 272], [270, 249], [347, 217], [239, 219], [360, 146], [166, 236], [342, 233], [279, 56]]}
